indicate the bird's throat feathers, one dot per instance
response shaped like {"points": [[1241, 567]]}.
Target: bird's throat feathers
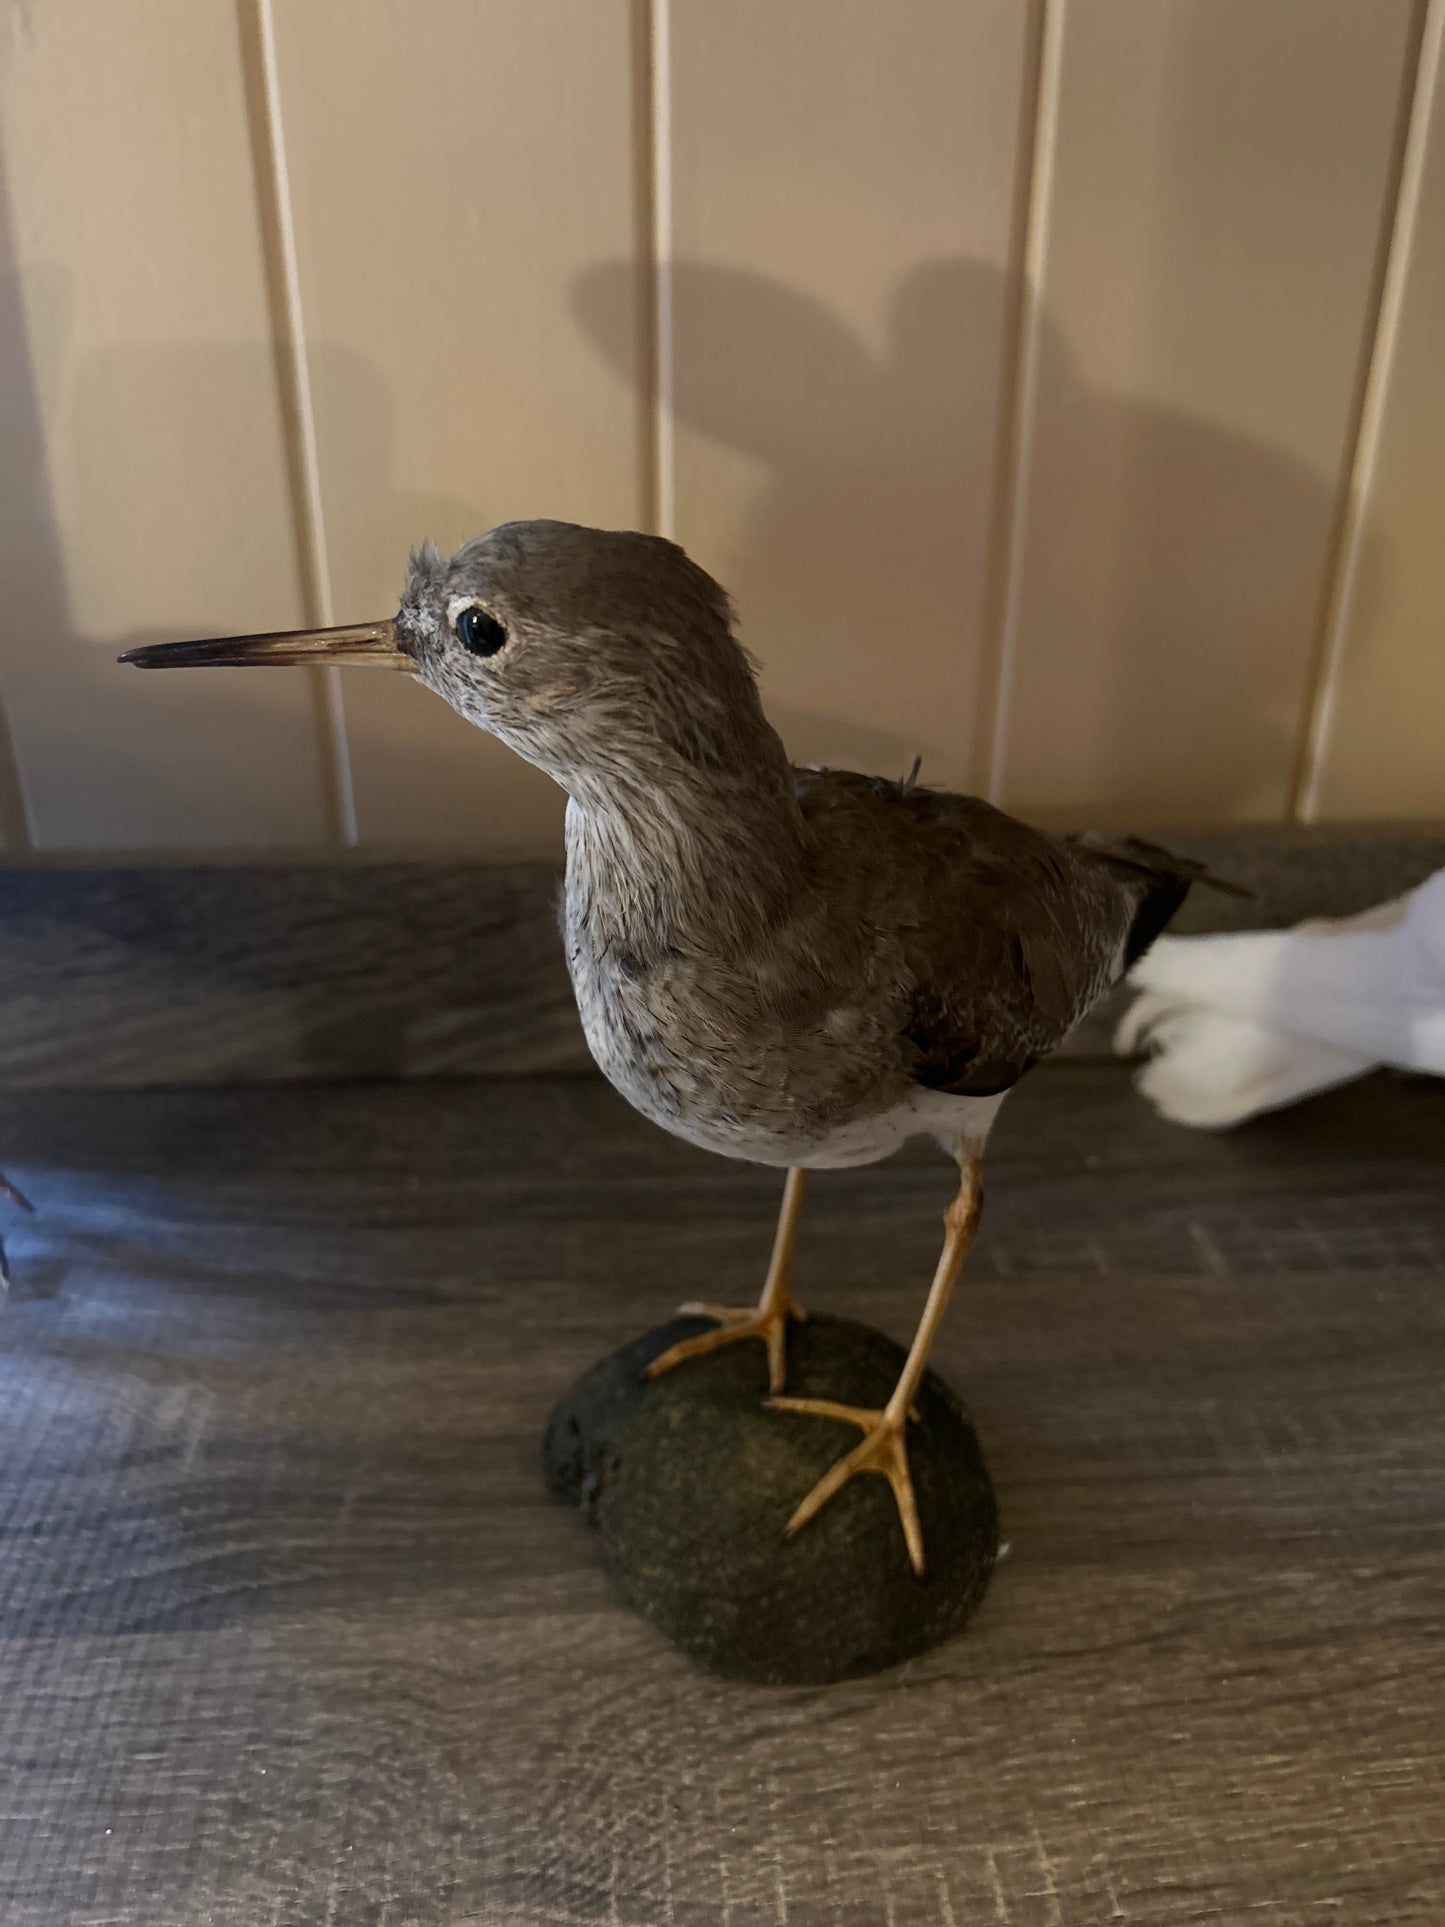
{"points": [[706, 865]]}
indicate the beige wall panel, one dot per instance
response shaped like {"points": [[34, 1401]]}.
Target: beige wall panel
{"points": [[141, 452], [843, 182], [457, 168], [1221, 174], [1385, 754]]}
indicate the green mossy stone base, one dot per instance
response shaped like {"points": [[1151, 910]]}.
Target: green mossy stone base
{"points": [[690, 1480]]}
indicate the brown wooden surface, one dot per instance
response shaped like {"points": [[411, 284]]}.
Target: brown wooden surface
{"points": [[189, 974], [292, 1633]]}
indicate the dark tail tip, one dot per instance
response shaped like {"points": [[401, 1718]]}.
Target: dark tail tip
{"points": [[1154, 913]]}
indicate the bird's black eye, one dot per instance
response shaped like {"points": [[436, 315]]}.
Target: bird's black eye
{"points": [[482, 634]]}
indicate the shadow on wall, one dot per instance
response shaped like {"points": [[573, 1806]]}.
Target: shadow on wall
{"points": [[178, 757], [153, 476], [1174, 569], [1167, 620]]}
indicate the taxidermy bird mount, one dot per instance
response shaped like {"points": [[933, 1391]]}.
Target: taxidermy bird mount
{"points": [[800, 967]]}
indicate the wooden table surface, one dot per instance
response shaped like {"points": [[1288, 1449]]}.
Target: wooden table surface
{"points": [[291, 1633]]}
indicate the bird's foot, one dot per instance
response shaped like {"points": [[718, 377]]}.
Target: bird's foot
{"points": [[883, 1448], [768, 1322]]}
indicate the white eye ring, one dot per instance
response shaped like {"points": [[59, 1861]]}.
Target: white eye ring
{"points": [[479, 632]]}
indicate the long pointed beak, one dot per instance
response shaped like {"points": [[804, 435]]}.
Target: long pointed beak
{"points": [[361, 645]]}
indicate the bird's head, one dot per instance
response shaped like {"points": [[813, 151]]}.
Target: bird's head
{"points": [[593, 653]]}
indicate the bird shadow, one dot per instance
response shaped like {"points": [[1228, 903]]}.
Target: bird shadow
{"points": [[848, 495]]}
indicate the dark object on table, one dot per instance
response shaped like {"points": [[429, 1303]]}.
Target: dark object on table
{"points": [[16, 1196], [690, 1480]]}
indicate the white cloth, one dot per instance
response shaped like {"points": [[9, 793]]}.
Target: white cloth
{"points": [[1235, 1025]]}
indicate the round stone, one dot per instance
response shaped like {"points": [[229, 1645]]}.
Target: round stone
{"points": [[691, 1479]]}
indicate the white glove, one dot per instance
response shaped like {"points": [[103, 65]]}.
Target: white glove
{"points": [[1236, 1025]]}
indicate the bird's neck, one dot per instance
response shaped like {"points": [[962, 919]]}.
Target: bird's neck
{"points": [[707, 863]]}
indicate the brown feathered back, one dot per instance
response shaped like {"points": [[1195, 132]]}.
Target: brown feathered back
{"points": [[1006, 935]]}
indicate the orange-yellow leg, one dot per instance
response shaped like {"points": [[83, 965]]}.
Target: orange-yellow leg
{"points": [[768, 1319], [884, 1447]]}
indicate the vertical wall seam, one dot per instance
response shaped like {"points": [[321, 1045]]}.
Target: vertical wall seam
{"points": [[1002, 458], [15, 814], [258, 35], [1021, 382], [1362, 454], [662, 361], [644, 276]]}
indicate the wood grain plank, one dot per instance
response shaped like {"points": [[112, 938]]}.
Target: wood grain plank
{"points": [[455, 169], [185, 974], [843, 192], [1381, 754], [289, 1629], [142, 451], [364, 970], [1222, 185]]}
